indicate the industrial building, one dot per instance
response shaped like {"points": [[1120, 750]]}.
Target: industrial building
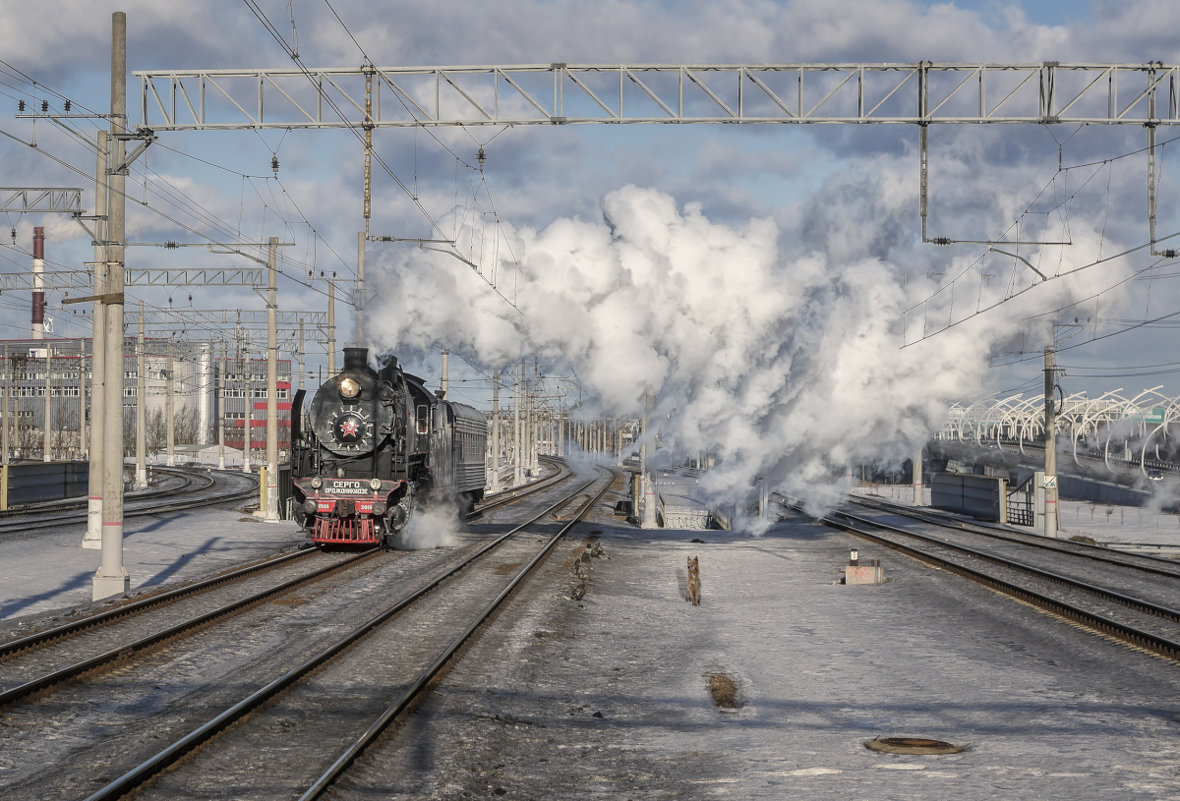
{"points": [[187, 382]]}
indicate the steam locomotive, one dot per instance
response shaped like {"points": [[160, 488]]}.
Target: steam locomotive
{"points": [[378, 443]]}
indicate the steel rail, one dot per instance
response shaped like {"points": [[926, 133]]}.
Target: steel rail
{"points": [[345, 760], [135, 607], [1127, 600], [32, 686], [16, 510], [145, 770], [1082, 550], [516, 493], [1101, 624], [17, 525]]}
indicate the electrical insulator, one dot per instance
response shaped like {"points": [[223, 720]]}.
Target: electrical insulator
{"points": [[44, 106], [20, 106], [274, 165], [67, 107]]}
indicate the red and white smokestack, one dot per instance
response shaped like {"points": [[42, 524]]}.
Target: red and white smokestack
{"points": [[38, 283]]}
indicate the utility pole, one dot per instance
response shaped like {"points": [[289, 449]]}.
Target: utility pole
{"points": [[443, 383], [647, 487], [111, 577], [221, 410], [4, 420], [302, 348], [248, 436], [331, 328], [363, 236], [141, 481], [82, 450], [170, 408], [47, 433], [1050, 442], [517, 451], [93, 537], [494, 484], [271, 510]]}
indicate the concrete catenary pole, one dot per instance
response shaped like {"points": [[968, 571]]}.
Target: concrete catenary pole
{"points": [[38, 283], [302, 348], [271, 510], [494, 482], [221, 410], [47, 416], [170, 407], [516, 472], [93, 537], [5, 421], [919, 495], [1050, 443], [141, 481], [331, 328], [82, 393], [647, 487], [111, 577], [444, 383], [360, 289], [248, 435]]}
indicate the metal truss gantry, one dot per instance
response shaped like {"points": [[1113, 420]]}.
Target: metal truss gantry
{"points": [[22, 200], [142, 276], [921, 93]]}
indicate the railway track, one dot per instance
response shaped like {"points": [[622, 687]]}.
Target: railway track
{"points": [[185, 490], [288, 662], [1127, 597]]}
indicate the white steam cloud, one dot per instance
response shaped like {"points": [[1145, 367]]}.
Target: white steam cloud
{"points": [[792, 368], [431, 526]]}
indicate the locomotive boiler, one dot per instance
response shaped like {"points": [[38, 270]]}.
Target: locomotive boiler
{"points": [[376, 444]]}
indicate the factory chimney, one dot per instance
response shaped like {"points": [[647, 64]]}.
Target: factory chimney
{"points": [[38, 283]]}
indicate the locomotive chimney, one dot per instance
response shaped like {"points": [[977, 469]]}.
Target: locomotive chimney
{"points": [[356, 358]]}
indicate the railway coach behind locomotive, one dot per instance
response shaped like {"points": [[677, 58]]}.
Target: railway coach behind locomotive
{"points": [[379, 443]]}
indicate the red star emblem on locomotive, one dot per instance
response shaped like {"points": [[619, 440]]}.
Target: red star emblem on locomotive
{"points": [[349, 427]]}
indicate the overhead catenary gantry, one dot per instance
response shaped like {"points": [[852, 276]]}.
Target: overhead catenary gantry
{"points": [[918, 93]]}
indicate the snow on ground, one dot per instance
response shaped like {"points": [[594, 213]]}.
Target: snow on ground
{"points": [[613, 689], [608, 697], [46, 571]]}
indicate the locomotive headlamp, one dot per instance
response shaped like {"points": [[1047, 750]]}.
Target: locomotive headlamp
{"points": [[316, 482], [374, 484], [349, 388]]}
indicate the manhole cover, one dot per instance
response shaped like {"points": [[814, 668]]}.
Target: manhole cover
{"points": [[911, 745]]}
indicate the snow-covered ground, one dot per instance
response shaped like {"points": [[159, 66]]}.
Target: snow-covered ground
{"points": [[607, 695], [50, 571]]}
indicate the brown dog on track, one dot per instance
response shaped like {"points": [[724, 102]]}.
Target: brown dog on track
{"points": [[694, 581]]}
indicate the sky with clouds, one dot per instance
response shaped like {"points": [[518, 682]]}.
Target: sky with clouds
{"points": [[762, 284]]}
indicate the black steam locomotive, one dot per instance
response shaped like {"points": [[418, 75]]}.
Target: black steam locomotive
{"points": [[377, 443]]}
